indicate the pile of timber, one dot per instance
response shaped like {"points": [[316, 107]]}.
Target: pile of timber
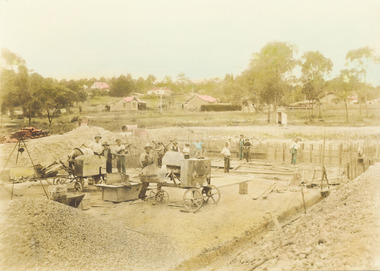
{"points": [[29, 133]]}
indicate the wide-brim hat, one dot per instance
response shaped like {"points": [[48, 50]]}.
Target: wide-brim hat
{"points": [[98, 135], [148, 145], [105, 144]]}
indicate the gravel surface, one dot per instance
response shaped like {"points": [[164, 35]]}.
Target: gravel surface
{"points": [[40, 234], [340, 233]]}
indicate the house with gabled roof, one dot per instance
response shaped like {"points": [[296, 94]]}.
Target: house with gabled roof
{"points": [[127, 104], [100, 85], [196, 101]]}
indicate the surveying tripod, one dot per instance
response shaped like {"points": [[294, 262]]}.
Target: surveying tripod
{"points": [[21, 147]]}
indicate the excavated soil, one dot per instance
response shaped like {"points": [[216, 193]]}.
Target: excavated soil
{"points": [[340, 233]]}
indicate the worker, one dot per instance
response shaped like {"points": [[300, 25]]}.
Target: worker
{"points": [[160, 150], [107, 153], [293, 150], [227, 154], [198, 148], [186, 151], [146, 159], [96, 146], [241, 147], [247, 149], [175, 146], [120, 152]]}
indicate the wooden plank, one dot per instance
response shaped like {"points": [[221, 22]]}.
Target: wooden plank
{"points": [[266, 192], [274, 218]]}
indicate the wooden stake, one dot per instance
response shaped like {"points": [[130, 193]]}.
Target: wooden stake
{"points": [[303, 199], [274, 218]]}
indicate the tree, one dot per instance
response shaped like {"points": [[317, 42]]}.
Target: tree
{"points": [[16, 87], [140, 84], [53, 96], [342, 87], [122, 86], [359, 60], [314, 68], [270, 69]]}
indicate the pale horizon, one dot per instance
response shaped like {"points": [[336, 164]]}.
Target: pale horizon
{"points": [[202, 39]]}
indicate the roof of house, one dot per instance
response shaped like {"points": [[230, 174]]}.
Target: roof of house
{"points": [[131, 98], [205, 98], [100, 85]]}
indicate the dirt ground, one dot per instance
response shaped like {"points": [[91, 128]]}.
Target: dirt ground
{"points": [[340, 233], [238, 233]]}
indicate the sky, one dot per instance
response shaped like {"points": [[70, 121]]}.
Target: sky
{"points": [[75, 39]]}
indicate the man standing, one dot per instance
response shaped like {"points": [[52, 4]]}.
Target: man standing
{"points": [[160, 150], [294, 149], [120, 152], [241, 147], [108, 155], [186, 151], [175, 146], [146, 159], [227, 154], [96, 146], [247, 149], [198, 148]]}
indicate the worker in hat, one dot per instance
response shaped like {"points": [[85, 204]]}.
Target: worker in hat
{"points": [[107, 153], [293, 150], [175, 146], [241, 147], [146, 159], [96, 146], [160, 151], [247, 149], [186, 151], [226, 154], [120, 151]]}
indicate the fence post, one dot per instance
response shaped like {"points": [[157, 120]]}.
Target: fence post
{"points": [[330, 154], [311, 153]]}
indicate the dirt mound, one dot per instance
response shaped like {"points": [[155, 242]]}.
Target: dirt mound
{"points": [[49, 149], [46, 235], [337, 234]]}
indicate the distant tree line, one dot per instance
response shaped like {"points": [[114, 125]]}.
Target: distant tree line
{"points": [[273, 78]]}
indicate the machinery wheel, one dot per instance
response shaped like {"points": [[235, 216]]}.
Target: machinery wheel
{"points": [[211, 194], [161, 196], [62, 180], [152, 194], [78, 187], [192, 200]]}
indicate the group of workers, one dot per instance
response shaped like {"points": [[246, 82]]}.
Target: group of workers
{"points": [[119, 152], [146, 158]]}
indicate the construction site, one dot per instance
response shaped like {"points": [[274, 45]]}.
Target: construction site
{"points": [[266, 213]]}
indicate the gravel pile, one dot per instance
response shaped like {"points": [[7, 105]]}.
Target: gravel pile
{"points": [[39, 234], [340, 233], [49, 149]]}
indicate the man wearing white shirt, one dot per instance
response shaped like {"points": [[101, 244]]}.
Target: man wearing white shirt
{"points": [[227, 154], [96, 146]]}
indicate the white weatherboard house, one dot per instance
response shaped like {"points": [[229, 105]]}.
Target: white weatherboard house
{"points": [[127, 104], [195, 102]]}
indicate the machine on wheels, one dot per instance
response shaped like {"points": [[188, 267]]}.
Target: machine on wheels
{"points": [[194, 175], [92, 167]]}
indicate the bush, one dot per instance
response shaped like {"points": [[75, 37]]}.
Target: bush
{"points": [[221, 107]]}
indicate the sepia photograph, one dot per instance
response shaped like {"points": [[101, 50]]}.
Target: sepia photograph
{"points": [[186, 135]]}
